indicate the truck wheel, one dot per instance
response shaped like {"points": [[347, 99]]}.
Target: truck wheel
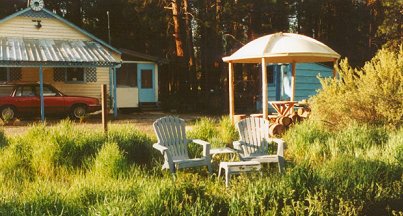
{"points": [[78, 111], [7, 113]]}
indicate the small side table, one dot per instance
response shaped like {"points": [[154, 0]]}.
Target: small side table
{"points": [[237, 167], [223, 150]]}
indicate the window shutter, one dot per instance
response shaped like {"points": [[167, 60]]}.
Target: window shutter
{"points": [[58, 74], [15, 74], [91, 74]]}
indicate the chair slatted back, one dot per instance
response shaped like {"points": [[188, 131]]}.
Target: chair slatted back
{"points": [[255, 133], [171, 134]]}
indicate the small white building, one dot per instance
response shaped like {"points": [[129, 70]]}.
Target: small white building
{"points": [[37, 45]]}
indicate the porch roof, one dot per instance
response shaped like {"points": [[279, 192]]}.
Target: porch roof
{"points": [[29, 52]]}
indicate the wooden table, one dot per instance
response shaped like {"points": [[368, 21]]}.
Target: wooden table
{"points": [[283, 107]]}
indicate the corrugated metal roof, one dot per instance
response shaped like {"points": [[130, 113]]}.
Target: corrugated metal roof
{"points": [[48, 51]]}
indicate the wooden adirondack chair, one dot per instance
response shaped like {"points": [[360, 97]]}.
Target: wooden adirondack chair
{"points": [[255, 143], [173, 144]]}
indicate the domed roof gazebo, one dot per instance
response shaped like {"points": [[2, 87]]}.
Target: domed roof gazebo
{"points": [[278, 48]]}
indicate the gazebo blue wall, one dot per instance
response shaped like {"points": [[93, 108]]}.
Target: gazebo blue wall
{"points": [[306, 82]]}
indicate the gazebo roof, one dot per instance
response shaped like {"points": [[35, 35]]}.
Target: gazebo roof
{"points": [[283, 48]]}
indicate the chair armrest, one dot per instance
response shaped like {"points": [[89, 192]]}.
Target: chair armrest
{"points": [[238, 145], [160, 148], [206, 146], [280, 146]]}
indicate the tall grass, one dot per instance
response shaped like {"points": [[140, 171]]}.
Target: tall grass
{"points": [[67, 170], [219, 132]]}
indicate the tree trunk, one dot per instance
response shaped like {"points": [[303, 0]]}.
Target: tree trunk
{"points": [[177, 28], [189, 46]]}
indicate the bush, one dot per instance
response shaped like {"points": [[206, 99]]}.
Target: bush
{"points": [[136, 145], [15, 163], [204, 129], [109, 161], [356, 139], [372, 94], [226, 131], [3, 138], [307, 141], [363, 178], [219, 133]]}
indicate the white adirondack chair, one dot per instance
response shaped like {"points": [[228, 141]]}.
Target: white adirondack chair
{"points": [[255, 143], [173, 144]]}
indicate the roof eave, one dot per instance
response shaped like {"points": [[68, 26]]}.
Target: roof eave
{"points": [[277, 58]]}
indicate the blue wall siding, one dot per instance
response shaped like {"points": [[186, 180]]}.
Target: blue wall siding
{"points": [[306, 83]]}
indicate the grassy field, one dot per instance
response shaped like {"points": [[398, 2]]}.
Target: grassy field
{"points": [[66, 169]]}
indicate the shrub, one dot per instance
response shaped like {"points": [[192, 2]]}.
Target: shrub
{"points": [[226, 131], [136, 145], [3, 138], [204, 129], [372, 94], [15, 163], [109, 161], [75, 146], [219, 133], [307, 141], [356, 139]]}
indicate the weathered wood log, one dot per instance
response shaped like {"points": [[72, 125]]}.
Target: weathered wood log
{"points": [[304, 112], [300, 111], [284, 120], [295, 117], [276, 129]]}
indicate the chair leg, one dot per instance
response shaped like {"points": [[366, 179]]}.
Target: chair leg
{"points": [[227, 177], [219, 171], [281, 164], [210, 169]]}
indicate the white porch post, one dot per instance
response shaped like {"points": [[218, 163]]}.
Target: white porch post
{"points": [[293, 82], [265, 99], [231, 91]]}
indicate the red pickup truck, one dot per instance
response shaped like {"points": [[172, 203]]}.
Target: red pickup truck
{"points": [[24, 100]]}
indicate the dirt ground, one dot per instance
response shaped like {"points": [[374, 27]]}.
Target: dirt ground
{"points": [[140, 120]]}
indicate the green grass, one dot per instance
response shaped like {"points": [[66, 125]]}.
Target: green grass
{"points": [[65, 170]]}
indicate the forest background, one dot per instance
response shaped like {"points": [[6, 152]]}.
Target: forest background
{"points": [[191, 36]]}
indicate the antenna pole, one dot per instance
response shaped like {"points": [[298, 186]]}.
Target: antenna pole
{"points": [[109, 28]]}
